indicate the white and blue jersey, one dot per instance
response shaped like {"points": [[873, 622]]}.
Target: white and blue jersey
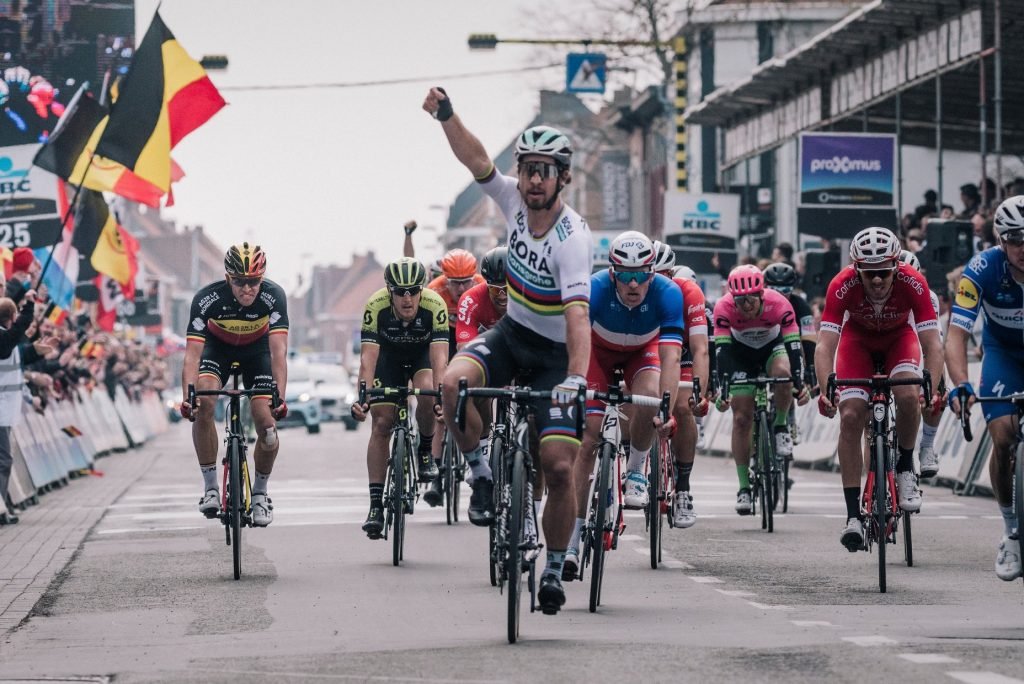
{"points": [[988, 286], [659, 318]]}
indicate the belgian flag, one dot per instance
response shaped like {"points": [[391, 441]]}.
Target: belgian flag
{"points": [[110, 248], [165, 96]]}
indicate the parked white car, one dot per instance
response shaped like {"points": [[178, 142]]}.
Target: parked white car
{"points": [[333, 387]]}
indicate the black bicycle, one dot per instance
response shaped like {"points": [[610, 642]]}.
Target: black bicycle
{"points": [[400, 491], [453, 470], [768, 472], [236, 494], [880, 506], [1018, 452], [512, 551]]}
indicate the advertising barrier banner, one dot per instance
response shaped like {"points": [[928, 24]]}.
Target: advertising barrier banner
{"points": [[29, 216], [700, 226]]}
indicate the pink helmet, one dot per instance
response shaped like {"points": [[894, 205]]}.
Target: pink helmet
{"points": [[746, 280]]}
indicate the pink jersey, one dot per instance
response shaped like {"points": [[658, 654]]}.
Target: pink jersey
{"points": [[775, 318], [846, 303]]}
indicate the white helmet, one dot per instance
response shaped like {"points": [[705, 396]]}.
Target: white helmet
{"points": [[631, 249], [665, 259], [874, 246], [547, 141], [1010, 215], [685, 272], [910, 259]]}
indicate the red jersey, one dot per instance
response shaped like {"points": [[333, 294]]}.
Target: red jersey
{"points": [[440, 286], [846, 303], [476, 313], [694, 309]]}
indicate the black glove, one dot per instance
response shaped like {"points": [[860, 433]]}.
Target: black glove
{"points": [[444, 107]]}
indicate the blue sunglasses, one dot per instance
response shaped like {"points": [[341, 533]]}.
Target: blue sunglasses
{"points": [[638, 277]]}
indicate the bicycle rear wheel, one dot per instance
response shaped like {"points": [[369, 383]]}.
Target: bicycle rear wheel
{"points": [[235, 503], [513, 560], [448, 473], [399, 456], [654, 504], [880, 513], [785, 484], [599, 524], [496, 553]]}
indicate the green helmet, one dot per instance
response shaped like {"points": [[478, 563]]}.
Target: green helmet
{"points": [[406, 272]]}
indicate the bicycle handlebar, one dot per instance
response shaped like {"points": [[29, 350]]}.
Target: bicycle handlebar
{"points": [[882, 382], [513, 394], [615, 398], [759, 381], [965, 415], [193, 394], [399, 392]]}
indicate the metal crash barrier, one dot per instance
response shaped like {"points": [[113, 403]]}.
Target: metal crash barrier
{"points": [[63, 442]]}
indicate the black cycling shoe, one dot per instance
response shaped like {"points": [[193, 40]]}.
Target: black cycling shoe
{"points": [[427, 469], [374, 524], [550, 596], [481, 503], [434, 496]]}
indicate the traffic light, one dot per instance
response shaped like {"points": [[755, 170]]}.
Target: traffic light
{"points": [[482, 41]]}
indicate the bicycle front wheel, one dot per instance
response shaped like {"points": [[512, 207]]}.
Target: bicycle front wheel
{"points": [[448, 484], [765, 458], [600, 527], [235, 503], [880, 504], [654, 504], [514, 557], [908, 544], [785, 484], [399, 457]]}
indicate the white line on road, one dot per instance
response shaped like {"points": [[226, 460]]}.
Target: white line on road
{"points": [[872, 640], [984, 678], [736, 592], [362, 678], [928, 658], [705, 580], [812, 623], [630, 537], [769, 606]]}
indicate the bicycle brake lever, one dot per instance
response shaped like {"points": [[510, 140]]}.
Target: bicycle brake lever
{"points": [[581, 410], [460, 404], [362, 392]]}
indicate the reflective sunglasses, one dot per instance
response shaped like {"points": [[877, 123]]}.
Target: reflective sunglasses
{"points": [[243, 281], [406, 291], [1013, 237], [496, 288], [638, 277], [460, 281], [545, 169], [883, 273], [743, 300]]}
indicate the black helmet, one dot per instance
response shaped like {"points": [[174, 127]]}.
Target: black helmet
{"points": [[780, 276], [492, 268]]}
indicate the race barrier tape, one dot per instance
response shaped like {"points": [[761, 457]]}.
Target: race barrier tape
{"points": [[64, 441]]}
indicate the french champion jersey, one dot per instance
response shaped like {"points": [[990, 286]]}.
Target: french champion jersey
{"points": [[987, 285], [216, 313], [618, 328], [546, 274]]}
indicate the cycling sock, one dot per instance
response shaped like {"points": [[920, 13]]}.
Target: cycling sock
{"points": [[637, 460], [781, 421], [928, 435], [209, 476], [852, 496], [478, 464], [577, 530], [683, 471], [1009, 519], [259, 483], [906, 460], [556, 559], [376, 495], [744, 473], [424, 447]]}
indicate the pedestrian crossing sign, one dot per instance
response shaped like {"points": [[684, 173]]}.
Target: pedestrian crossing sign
{"points": [[585, 72]]}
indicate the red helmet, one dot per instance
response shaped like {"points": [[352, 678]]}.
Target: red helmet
{"points": [[746, 280], [458, 264]]}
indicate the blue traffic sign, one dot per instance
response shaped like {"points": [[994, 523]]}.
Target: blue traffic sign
{"points": [[585, 72]]}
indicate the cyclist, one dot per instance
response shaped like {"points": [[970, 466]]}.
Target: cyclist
{"points": [[867, 307], [458, 275], [929, 419], [480, 308], [992, 283], [756, 332], [694, 363], [545, 338], [404, 337], [242, 319], [636, 319]]}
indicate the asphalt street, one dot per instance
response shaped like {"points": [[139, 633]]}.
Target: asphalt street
{"points": [[149, 596]]}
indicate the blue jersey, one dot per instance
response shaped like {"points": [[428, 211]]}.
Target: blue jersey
{"points": [[987, 285], [659, 317]]}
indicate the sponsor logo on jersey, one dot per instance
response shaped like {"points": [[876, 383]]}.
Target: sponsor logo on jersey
{"points": [[847, 285], [978, 263], [966, 294], [206, 301], [910, 280], [564, 229], [1009, 318], [199, 324], [268, 298], [694, 308], [525, 255], [275, 317]]}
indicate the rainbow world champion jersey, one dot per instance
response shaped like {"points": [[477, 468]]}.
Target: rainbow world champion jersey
{"points": [[546, 275]]}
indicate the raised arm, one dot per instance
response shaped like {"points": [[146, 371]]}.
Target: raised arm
{"points": [[467, 148]]}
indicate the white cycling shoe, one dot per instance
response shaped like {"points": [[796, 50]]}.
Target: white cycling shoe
{"points": [[929, 462], [262, 510], [635, 493], [682, 511], [784, 444], [852, 536], [209, 505], [744, 504], [1008, 567], [907, 492]]}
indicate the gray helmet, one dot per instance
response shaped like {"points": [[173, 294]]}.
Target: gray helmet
{"points": [[1010, 215], [547, 141]]}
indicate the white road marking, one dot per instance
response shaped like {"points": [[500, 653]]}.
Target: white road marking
{"points": [[872, 640], [739, 593], [705, 579], [928, 658], [984, 678], [769, 606], [812, 623]]}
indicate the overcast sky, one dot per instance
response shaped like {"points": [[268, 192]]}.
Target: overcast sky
{"points": [[316, 174]]}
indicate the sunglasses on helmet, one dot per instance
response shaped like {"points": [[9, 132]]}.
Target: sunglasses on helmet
{"points": [[406, 291], [545, 169], [638, 277]]}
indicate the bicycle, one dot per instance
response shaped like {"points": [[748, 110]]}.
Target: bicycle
{"points": [[604, 520], [513, 473], [400, 490], [1018, 452], [453, 470], [236, 493], [880, 506], [767, 472]]}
